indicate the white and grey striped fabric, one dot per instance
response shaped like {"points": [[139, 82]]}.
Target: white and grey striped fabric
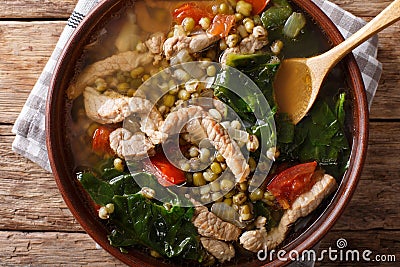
{"points": [[30, 140]]}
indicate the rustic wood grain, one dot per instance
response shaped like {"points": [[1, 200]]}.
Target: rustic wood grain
{"points": [[379, 242], [47, 9], [386, 103], [361, 9], [77, 249], [25, 48], [29, 198], [52, 249], [62, 9]]}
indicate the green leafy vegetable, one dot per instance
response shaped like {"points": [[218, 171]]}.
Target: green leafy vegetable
{"points": [[140, 221], [276, 15], [124, 185], [261, 69], [101, 192], [234, 101], [320, 136], [105, 169], [284, 129]]}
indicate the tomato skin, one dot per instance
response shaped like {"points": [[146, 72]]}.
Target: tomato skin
{"points": [[101, 140], [292, 182], [166, 173], [221, 25], [192, 10]]}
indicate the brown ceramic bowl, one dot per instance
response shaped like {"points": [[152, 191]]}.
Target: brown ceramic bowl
{"points": [[62, 162]]}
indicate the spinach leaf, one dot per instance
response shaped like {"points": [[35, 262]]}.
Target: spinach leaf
{"points": [[140, 221], [261, 69], [227, 88], [124, 185], [276, 15], [319, 136], [101, 192], [258, 68], [284, 129]]}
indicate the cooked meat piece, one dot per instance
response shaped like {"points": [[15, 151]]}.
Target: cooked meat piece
{"points": [[150, 118], [254, 240], [249, 45], [218, 136], [125, 61], [255, 41], [175, 121], [155, 43], [111, 107], [220, 106], [105, 109], [260, 222], [219, 249], [257, 240], [128, 145], [228, 148], [197, 133], [193, 44], [209, 225]]}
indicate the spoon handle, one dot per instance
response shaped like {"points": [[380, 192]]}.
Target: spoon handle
{"points": [[388, 16]]}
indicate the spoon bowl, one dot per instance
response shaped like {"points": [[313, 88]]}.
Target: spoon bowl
{"points": [[299, 80]]}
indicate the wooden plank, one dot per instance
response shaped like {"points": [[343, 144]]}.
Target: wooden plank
{"points": [[36, 9], [52, 249], [376, 202], [36, 201], [24, 49], [386, 103], [62, 9], [382, 243], [361, 8], [76, 249], [37, 204]]}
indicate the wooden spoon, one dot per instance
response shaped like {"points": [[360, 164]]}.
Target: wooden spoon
{"points": [[298, 80]]}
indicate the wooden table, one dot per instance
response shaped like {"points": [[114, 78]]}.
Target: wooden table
{"points": [[36, 227]]}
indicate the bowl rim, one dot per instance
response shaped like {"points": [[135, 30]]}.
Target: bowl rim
{"points": [[93, 227]]}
